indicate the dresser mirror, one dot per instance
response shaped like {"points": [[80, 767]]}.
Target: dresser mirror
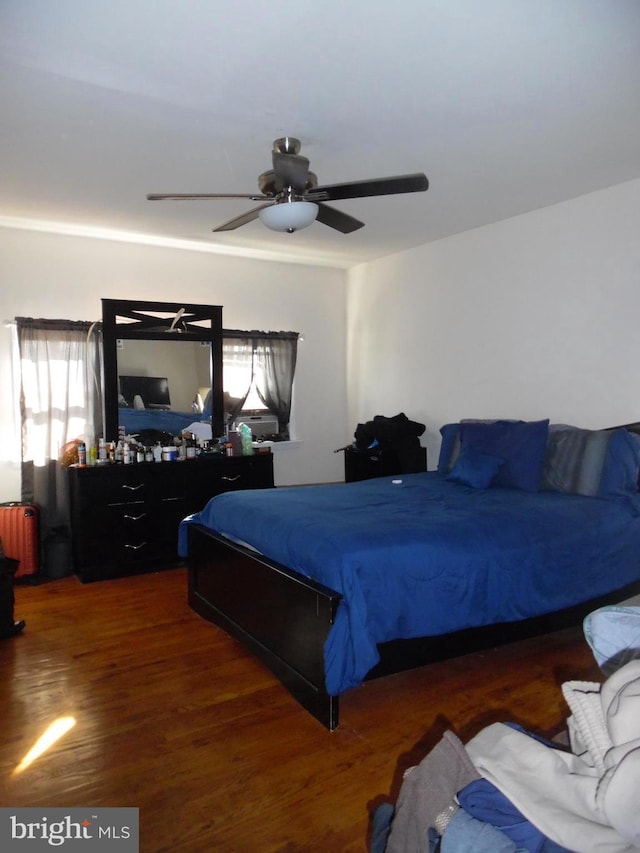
{"points": [[162, 366]]}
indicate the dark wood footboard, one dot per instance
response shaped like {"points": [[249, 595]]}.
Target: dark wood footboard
{"points": [[280, 615], [284, 619]]}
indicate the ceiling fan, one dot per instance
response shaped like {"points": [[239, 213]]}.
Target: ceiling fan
{"points": [[292, 198]]}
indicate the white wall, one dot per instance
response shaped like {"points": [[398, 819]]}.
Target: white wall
{"points": [[45, 275], [537, 316], [533, 317]]}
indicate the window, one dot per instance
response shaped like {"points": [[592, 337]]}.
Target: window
{"points": [[60, 393], [239, 379], [258, 372], [60, 400]]}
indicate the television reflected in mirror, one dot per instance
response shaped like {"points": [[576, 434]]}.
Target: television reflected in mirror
{"points": [[144, 392]]}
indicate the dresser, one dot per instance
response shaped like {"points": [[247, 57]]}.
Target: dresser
{"points": [[125, 518]]}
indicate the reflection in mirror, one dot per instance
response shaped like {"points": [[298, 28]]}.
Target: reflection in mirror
{"points": [[162, 366], [162, 385]]}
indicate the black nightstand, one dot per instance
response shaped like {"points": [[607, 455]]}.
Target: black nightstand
{"points": [[366, 464]]}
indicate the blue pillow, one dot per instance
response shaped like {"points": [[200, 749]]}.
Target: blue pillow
{"points": [[206, 406], [621, 464], [475, 469], [522, 445], [449, 448], [450, 445]]}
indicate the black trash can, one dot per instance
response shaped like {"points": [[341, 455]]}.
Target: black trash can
{"points": [[8, 626], [58, 560]]}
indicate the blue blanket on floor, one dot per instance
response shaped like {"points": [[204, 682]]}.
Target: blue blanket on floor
{"points": [[427, 556]]}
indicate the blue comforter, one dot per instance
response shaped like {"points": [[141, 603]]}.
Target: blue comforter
{"points": [[427, 556], [135, 420]]}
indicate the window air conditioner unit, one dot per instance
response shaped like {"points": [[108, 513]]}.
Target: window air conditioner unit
{"points": [[262, 426]]}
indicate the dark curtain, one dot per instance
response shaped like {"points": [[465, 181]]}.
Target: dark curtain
{"points": [[276, 355]]}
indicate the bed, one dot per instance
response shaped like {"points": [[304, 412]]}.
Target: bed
{"points": [[523, 528], [136, 421]]}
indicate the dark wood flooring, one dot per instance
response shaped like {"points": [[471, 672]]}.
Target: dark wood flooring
{"points": [[175, 718]]}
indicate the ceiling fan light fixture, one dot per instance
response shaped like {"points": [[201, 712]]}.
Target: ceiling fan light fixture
{"points": [[289, 215]]}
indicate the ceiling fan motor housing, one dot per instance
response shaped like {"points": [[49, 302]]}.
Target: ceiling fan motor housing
{"points": [[270, 184]]}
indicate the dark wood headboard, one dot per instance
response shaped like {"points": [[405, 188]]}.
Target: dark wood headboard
{"points": [[635, 427]]}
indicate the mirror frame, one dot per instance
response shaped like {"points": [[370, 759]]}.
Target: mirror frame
{"points": [[124, 319]]}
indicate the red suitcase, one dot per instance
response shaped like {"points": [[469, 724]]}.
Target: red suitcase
{"points": [[19, 534]]}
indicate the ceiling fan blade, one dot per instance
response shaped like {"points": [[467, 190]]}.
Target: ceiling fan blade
{"points": [[202, 196], [292, 170], [337, 219], [376, 186], [244, 219]]}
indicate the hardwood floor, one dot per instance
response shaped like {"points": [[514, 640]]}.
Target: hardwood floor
{"points": [[173, 717]]}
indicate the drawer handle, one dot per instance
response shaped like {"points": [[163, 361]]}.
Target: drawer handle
{"points": [[133, 488], [135, 517], [136, 547], [231, 479]]}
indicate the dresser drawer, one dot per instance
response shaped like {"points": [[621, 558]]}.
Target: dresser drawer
{"points": [[228, 474], [233, 474], [115, 484]]}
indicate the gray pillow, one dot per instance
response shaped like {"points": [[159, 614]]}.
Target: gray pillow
{"points": [[594, 463], [575, 461]]}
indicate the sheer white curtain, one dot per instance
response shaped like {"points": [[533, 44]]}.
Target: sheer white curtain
{"points": [[60, 367], [237, 373]]}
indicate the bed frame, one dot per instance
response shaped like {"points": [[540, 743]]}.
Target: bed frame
{"points": [[284, 619]]}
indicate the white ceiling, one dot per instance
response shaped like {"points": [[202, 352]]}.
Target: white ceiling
{"points": [[507, 105]]}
